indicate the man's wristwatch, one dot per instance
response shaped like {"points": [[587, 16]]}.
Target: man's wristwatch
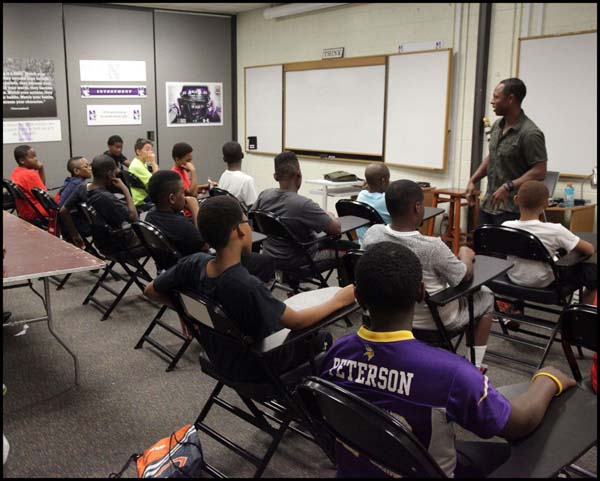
{"points": [[509, 185]]}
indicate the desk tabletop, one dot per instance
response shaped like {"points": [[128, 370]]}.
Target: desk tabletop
{"points": [[432, 212], [258, 237], [485, 268], [569, 428], [576, 207], [32, 253]]}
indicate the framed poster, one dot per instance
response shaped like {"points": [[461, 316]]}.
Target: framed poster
{"points": [[114, 114], [194, 104], [28, 88]]}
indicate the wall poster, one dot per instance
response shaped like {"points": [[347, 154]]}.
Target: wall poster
{"points": [[25, 131], [114, 114], [28, 88], [194, 104], [113, 91]]}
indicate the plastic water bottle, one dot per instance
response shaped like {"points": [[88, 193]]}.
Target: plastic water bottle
{"points": [[569, 195]]}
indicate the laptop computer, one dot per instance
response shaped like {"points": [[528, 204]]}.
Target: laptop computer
{"points": [[550, 181]]}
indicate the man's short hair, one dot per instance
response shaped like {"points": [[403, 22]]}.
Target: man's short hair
{"points": [[286, 165], [232, 152], [401, 195], [516, 87], [216, 218], [162, 183], [533, 194], [181, 149], [102, 165], [21, 152], [71, 163], [139, 144], [388, 277], [115, 139]]}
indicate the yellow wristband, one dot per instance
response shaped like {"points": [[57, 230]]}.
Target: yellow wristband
{"points": [[554, 378]]}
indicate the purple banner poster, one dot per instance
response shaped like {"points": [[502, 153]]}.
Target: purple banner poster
{"points": [[113, 91]]}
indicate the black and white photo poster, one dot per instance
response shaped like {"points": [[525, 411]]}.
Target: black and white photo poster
{"points": [[194, 104], [28, 88]]}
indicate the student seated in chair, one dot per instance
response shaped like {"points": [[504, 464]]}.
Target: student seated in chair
{"points": [[99, 194], [404, 200], [532, 199], [233, 180], [244, 298], [182, 156], [115, 150], [144, 158], [28, 173], [301, 215], [80, 170], [427, 388], [378, 179]]}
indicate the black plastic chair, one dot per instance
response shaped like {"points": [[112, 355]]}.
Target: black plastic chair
{"points": [[579, 327], [16, 192], [215, 191], [440, 338], [132, 180], [502, 241], [164, 256], [115, 247], [306, 270], [8, 201], [213, 330], [346, 207], [367, 429]]}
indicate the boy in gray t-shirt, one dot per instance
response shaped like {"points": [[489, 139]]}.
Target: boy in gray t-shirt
{"points": [[441, 268]]}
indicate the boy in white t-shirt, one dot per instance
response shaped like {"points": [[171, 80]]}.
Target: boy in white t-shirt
{"points": [[233, 180], [532, 200]]}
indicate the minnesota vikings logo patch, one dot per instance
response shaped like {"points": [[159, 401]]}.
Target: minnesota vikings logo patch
{"points": [[369, 352]]}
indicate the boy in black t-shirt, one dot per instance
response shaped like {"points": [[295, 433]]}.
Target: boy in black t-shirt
{"points": [[244, 298], [115, 151], [99, 194]]}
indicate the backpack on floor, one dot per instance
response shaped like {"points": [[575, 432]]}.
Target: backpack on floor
{"points": [[176, 456]]}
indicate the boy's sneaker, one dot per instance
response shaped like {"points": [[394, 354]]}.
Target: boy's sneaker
{"points": [[483, 369]]}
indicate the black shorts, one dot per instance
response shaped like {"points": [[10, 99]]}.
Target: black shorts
{"points": [[589, 275]]}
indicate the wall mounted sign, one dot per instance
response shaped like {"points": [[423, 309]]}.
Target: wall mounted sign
{"points": [[194, 104], [114, 114], [28, 88], [333, 52], [31, 131], [113, 91], [112, 70], [419, 46]]}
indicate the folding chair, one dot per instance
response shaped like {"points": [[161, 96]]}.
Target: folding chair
{"points": [[214, 191], [131, 180], [8, 201], [346, 207], [41, 220], [440, 338], [113, 245], [307, 270], [220, 336], [164, 256], [367, 429], [502, 241]]}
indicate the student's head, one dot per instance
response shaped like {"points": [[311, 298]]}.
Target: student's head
{"points": [[404, 201], [115, 145], [222, 223], [142, 147], [182, 153], [508, 96], [532, 196], [104, 169], [388, 283], [232, 153], [166, 190], [79, 167], [25, 156], [287, 170], [378, 177]]}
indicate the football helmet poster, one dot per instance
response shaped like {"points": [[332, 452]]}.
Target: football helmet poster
{"points": [[194, 104]]}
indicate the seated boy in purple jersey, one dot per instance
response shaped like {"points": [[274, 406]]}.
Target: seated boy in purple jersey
{"points": [[428, 387]]}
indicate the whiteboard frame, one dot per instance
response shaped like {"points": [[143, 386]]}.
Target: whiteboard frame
{"points": [[246, 107], [447, 115], [540, 37]]}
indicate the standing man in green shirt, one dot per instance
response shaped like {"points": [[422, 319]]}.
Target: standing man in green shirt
{"points": [[144, 156], [517, 153]]}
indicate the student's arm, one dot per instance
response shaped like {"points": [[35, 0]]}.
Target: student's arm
{"points": [[126, 163], [307, 317], [334, 227], [153, 294], [118, 183], [479, 174], [585, 248], [193, 189], [67, 219], [192, 205], [42, 173], [529, 408], [466, 255]]}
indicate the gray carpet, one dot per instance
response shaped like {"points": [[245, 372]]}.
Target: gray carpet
{"points": [[126, 401]]}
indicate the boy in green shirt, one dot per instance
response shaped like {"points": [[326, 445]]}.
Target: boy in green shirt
{"points": [[144, 156]]}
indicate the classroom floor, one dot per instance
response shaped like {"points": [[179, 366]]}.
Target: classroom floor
{"points": [[126, 401]]}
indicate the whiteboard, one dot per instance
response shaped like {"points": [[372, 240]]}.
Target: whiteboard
{"points": [[335, 109], [264, 110], [417, 109], [561, 77]]}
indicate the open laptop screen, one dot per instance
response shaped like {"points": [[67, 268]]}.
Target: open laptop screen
{"points": [[550, 181]]}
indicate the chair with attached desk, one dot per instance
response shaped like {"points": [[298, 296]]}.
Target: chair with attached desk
{"points": [[118, 247], [164, 256], [16, 192], [508, 241], [225, 344], [346, 207], [367, 429], [307, 270]]}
